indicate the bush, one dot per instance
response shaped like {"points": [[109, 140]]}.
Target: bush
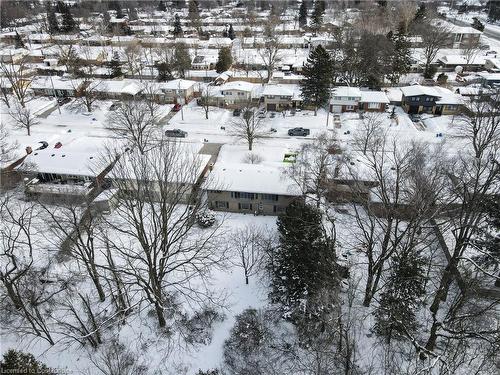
{"points": [[442, 78], [205, 219], [198, 329]]}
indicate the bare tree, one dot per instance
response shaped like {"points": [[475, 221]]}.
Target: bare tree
{"points": [[134, 121], [19, 274], [17, 76], [434, 38], [249, 127], [88, 93], [205, 99], [470, 49], [472, 178], [314, 167], [7, 147], [133, 55], [75, 230], [270, 55], [369, 132], [22, 117], [158, 249], [246, 243], [116, 359]]}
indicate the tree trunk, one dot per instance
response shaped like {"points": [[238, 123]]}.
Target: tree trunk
{"points": [[497, 282], [14, 297], [250, 144], [368, 289], [159, 312], [98, 286]]}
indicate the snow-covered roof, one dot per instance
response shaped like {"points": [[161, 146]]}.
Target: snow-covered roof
{"points": [[238, 85], [347, 92], [251, 178], [56, 82], [277, 90], [417, 90], [178, 84], [374, 97]]}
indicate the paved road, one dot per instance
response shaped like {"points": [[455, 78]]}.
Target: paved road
{"points": [[494, 34]]}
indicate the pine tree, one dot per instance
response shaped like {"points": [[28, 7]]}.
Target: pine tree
{"points": [[396, 313], [194, 14], [318, 75], [19, 41], [478, 25], [305, 261], [116, 66], [420, 14], [317, 15], [303, 14], [182, 60], [162, 7], [68, 22], [177, 26], [51, 19], [224, 61], [15, 362], [164, 71], [230, 32], [401, 55]]}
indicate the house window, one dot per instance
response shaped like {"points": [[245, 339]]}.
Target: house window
{"points": [[270, 96], [244, 206], [241, 94], [221, 204], [278, 209], [284, 97], [269, 197], [242, 195], [349, 107], [373, 105], [450, 107]]}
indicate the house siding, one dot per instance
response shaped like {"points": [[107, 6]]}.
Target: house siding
{"points": [[226, 201]]}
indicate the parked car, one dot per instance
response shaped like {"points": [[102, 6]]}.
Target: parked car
{"points": [[261, 115], [62, 101], [177, 133], [177, 107], [416, 118], [237, 112], [114, 106], [273, 130], [299, 132], [273, 115], [43, 146], [58, 145]]}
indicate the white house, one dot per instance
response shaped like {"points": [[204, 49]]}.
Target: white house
{"points": [[345, 99]]}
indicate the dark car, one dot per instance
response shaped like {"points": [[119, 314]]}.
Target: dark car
{"points": [[416, 118], [299, 131], [237, 112], [62, 101], [177, 107], [43, 146], [177, 133]]}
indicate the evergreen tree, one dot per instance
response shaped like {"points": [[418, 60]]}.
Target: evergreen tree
{"points": [[230, 32], [224, 61], [488, 238], [15, 362], [194, 14], [420, 14], [51, 18], [317, 15], [177, 26], [106, 21], [395, 315], [19, 41], [478, 25], [116, 66], [303, 14], [162, 7], [116, 6], [68, 22], [224, 33], [318, 74], [132, 14], [493, 7], [305, 262], [164, 71], [182, 60], [401, 55]]}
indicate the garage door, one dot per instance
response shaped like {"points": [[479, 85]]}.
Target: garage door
{"points": [[336, 108], [271, 107]]}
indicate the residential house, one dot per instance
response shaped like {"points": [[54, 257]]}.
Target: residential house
{"points": [[250, 188], [179, 90], [56, 86], [279, 97], [345, 99], [238, 93], [427, 99], [373, 101]]}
